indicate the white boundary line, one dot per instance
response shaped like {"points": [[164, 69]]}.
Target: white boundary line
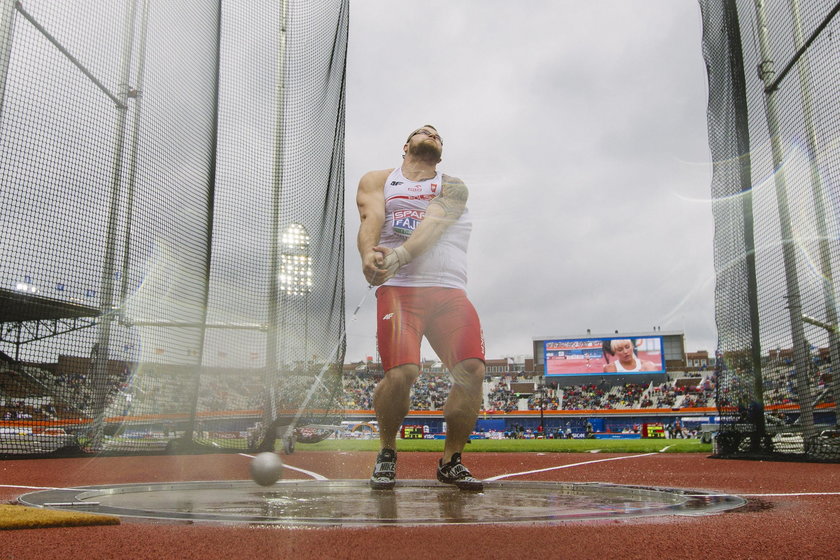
{"points": [[779, 495], [584, 463], [37, 487], [507, 475], [793, 494], [314, 475], [319, 477]]}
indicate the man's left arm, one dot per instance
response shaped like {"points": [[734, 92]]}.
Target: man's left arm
{"points": [[442, 212]]}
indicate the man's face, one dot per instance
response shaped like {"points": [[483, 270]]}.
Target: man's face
{"points": [[425, 143]]}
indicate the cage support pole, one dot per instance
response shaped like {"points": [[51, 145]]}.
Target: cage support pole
{"points": [[272, 366], [101, 352], [794, 303], [818, 194]]}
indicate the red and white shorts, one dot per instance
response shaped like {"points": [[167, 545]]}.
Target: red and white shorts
{"points": [[443, 315]]}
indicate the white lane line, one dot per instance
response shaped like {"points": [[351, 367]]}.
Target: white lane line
{"points": [[780, 495], [37, 487], [314, 475], [584, 463], [794, 494]]}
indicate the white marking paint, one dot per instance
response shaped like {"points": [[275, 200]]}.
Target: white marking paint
{"points": [[780, 495], [584, 463], [36, 487]]}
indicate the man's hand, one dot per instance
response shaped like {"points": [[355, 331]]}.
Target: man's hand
{"points": [[372, 266], [393, 260]]}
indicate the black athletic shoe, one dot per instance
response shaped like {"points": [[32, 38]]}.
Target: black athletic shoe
{"points": [[384, 471], [455, 473]]}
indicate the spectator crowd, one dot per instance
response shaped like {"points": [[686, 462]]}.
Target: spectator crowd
{"points": [[29, 392]]}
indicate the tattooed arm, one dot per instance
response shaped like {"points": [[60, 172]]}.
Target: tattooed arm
{"points": [[442, 212]]}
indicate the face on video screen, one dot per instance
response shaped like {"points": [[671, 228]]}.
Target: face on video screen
{"points": [[600, 356]]}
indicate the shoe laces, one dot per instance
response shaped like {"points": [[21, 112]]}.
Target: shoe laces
{"points": [[455, 469]]}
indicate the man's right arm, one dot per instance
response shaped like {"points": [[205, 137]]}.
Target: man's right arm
{"points": [[370, 199]]}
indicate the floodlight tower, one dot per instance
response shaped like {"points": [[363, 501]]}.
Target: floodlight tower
{"points": [[294, 283], [295, 278]]}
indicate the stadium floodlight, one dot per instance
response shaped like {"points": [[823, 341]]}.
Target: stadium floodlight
{"points": [[26, 287], [295, 275]]}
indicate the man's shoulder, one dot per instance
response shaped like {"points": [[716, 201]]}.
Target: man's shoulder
{"points": [[377, 175], [374, 181], [451, 179]]}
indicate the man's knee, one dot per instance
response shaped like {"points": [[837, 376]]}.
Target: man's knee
{"points": [[468, 373], [403, 376]]}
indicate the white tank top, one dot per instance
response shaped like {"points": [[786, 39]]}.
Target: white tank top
{"points": [[445, 263], [620, 368]]}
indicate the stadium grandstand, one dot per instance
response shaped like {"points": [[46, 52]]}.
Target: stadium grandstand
{"points": [[523, 399], [519, 398]]}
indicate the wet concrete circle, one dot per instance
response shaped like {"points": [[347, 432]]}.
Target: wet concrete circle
{"points": [[353, 503]]}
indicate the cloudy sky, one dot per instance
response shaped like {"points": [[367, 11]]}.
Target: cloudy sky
{"points": [[580, 128]]}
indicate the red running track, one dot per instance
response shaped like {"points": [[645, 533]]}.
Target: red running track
{"points": [[793, 511]]}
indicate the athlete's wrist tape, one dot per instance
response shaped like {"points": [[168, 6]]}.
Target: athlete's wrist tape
{"points": [[403, 256], [395, 260]]}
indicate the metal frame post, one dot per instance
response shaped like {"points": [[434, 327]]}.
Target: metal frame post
{"points": [[742, 131], [189, 435], [271, 343], [818, 193], [7, 34], [101, 358], [800, 348], [137, 94]]}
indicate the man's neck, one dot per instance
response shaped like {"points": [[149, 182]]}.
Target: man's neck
{"points": [[415, 169]]}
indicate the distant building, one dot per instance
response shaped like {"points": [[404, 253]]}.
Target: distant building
{"points": [[696, 361]]}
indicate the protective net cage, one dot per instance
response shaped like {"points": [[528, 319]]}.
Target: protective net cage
{"points": [[774, 127], [171, 200]]}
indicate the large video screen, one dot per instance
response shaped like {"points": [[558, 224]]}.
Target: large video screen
{"points": [[604, 356]]}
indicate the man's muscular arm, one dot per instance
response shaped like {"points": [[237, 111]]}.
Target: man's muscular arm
{"points": [[442, 212], [370, 199]]}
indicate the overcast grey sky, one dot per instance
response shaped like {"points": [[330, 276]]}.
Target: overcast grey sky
{"points": [[580, 128]]}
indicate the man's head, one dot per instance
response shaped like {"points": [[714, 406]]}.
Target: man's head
{"points": [[424, 143]]}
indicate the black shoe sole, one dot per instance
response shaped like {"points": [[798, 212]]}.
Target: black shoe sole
{"points": [[476, 486], [382, 485], [470, 486]]}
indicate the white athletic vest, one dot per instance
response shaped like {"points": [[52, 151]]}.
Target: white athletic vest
{"points": [[445, 263], [620, 368]]}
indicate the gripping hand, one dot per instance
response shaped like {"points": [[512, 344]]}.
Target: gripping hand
{"points": [[394, 260]]}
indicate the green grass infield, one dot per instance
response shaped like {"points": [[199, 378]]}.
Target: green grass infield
{"points": [[523, 445]]}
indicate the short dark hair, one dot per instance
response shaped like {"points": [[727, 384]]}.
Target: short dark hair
{"points": [[416, 129]]}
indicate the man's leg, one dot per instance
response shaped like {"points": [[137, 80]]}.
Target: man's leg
{"points": [[462, 405], [392, 401], [455, 335]]}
